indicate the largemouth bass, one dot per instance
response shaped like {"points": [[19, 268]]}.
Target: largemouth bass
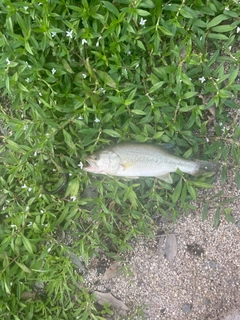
{"points": [[134, 160]]}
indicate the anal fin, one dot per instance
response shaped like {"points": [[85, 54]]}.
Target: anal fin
{"points": [[166, 177]]}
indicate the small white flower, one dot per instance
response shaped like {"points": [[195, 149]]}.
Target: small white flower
{"points": [[97, 44], [40, 93], [41, 211], [142, 22], [53, 71], [96, 120], [84, 75], [73, 198], [53, 34], [13, 226], [35, 154], [80, 165], [202, 79], [25, 8], [238, 29], [29, 189], [230, 48], [207, 139], [27, 80], [49, 249], [84, 41], [8, 61], [27, 208], [220, 124], [129, 52], [69, 33], [102, 90], [70, 174], [227, 8], [24, 186], [137, 65], [28, 65]]}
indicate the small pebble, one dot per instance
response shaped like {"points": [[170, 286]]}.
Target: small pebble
{"points": [[187, 307]]}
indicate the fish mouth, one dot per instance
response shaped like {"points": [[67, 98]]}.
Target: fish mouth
{"points": [[92, 166]]}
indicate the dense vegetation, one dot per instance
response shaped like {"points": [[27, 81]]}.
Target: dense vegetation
{"points": [[80, 75]]}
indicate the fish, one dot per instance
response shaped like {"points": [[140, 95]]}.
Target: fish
{"points": [[135, 160]]}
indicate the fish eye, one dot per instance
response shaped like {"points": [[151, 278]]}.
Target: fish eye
{"points": [[96, 157]]}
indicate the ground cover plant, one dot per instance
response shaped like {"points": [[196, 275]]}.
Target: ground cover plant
{"points": [[80, 75]]}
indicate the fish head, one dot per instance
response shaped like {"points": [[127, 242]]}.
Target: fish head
{"points": [[103, 162]]}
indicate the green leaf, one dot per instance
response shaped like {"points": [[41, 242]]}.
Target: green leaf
{"points": [[112, 133], [188, 13], [224, 28], [224, 174], [143, 13], [217, 36], [140, 45], [165, 31], [73, 187], [187, 108], [106, 79], [23, 267], [235, 152], [217, 195], [111, 8], [205, 211], [190, 94], [156, 86], [237, 179], [201, 184], [66, 66], [183, 195], [68, 140], [139, 112], [192, 191], [27, 244], [13, 146], [147, 4], [216, 20], [177, 191], [216, 218], [28, 48]]}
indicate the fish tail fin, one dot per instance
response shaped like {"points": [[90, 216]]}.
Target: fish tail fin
{"points": [[206, 166]]}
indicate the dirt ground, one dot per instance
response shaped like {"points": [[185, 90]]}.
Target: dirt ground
{"points": [[195, 275]]}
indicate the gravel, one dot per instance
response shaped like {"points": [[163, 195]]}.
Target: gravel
{"points": [[202, 283]]}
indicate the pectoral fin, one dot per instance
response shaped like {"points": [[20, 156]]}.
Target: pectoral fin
{"points": [[166, 177], [126, 165]]}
